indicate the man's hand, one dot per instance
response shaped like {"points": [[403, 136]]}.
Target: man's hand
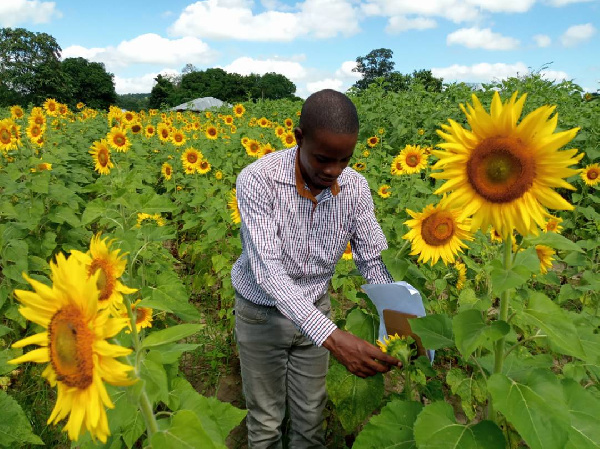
{"points": [[358, 356]]}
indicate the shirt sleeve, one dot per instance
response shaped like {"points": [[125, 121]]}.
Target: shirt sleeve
{"points": [[262, 242], [368, 240]]}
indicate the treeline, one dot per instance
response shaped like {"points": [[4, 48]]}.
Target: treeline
{"points": [[228, 87]]}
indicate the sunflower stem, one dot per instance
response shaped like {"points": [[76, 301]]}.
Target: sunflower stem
{"points": [[499, 354], [145, 405]]}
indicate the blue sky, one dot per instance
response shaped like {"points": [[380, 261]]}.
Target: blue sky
{"points": [[315, 43]]}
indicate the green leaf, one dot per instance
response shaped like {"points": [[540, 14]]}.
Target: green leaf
{"points": [[167, 354], [362, 325], [556, 241], [392, 428], [4, 329], [468, 299], [470, 388], [395, 265], [517, 366], [15, 428], [155, 378], [535, 407], [584, 409], [436, 428], [435, 331], [171, 334], [529, 259], [354, 398], [555, 323], [185, 432], [471, 331], [503, 279]]}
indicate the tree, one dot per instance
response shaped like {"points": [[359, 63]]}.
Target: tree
{"points": [[133, 102], [273, 86], [161, 93], [89, 83], [30, 69], [378, 63], [427, 80]]}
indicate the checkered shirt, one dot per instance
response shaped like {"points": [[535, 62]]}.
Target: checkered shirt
{"points": [[291, 243]]}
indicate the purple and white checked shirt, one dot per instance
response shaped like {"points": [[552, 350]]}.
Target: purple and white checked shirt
{"points": [[290, 245]]}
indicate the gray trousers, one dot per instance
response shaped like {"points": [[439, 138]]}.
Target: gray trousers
{"points": [[280, 367]]}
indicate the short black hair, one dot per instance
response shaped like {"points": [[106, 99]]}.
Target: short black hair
{"points": [[329, 110]]}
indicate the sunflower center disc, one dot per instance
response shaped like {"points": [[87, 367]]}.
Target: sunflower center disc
{"points": [[71, 348], [106, 281], [500, 170], [5, 136], [592, 174], [102, 158], [412, 160], [438, 228]]}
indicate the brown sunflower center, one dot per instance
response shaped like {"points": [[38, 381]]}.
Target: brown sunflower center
{"points": [[192, 158], [500, 170], [141, 314], [5, 136], [168, 171], [438, 228], [165, 133], [178, 137], [119, 140], [136, 129], [35, 131], [103, 158], [71, 352], [39, 120], [593, 174], [106, 279], [203, 165], [212, 131], [412, 160]]}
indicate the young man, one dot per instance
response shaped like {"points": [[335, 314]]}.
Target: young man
{"points": [[299, 208]]}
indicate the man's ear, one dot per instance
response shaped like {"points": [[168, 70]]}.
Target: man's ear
{"points": [[299, 137]]}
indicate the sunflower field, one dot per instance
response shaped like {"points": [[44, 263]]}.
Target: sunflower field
{"points": [[118, 231]]}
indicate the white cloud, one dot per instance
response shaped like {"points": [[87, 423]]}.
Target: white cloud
{"points": [[147, 49], [577, 34], [481, 38], [486, 72], [141, 84], [15, 12], [345, 71], [235, 19], [542, 40], [292, 70], [503, 5], [398, 24], [327, 83], [559, 3]]}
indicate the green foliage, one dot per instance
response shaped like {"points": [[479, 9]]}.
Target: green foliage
{"points": [[89, 83], [15, 429]]}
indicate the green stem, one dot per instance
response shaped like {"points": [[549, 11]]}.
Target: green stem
{"points": [[145, 405], [502, 315]]}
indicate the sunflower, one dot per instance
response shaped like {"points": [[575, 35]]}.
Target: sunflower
{"points": [[150, 130], [545, 254], [372, 141], [553, 224], [239, 110], [397, 167], [164, 132], [503, 173], [75, 346], [178, 138], [279, 131], [437, 232], [143, 316], [211, 132], [401, 347], [80, 105], [288, 123], [253, 148], [461, 274], [51, 107], [101, 154], [413, 159], [167, 171], [421, 131], [190, 158], [34, 132], [42, 166], [203, 167], [591, 174], [381, 131], [228, 119], [495, 236], [264, 122], [37, 117], [384, 191], [347, 254], [110, 265], [288, 139], [218, 175], [16, 112], [129, 116], [117, 139], [135, 127], [63, 109], [233, 206], [7, 140], [366, 153], [359, 166]]}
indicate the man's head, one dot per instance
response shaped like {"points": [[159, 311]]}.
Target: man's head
{"points": [[326, 137]]}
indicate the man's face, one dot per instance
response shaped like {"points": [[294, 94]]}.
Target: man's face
{"points": [[323, 156]]}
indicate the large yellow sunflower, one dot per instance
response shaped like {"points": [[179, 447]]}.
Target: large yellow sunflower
{"points": [[503, 173], [51, 107], [545, 254], [253, 148], [164, 132], [110, 266], [397, 168], [167, 171], [75, 346], [233, 206], [437, 232], [288, 139], [413, 159], [150, 130], [203, 167], [239, 110], [117, 139], [101, 154], [178, 138], [591, 174], [211, 132], [553, 224], [34, 132], [384, 191], [8, 141], [16, 112]]}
